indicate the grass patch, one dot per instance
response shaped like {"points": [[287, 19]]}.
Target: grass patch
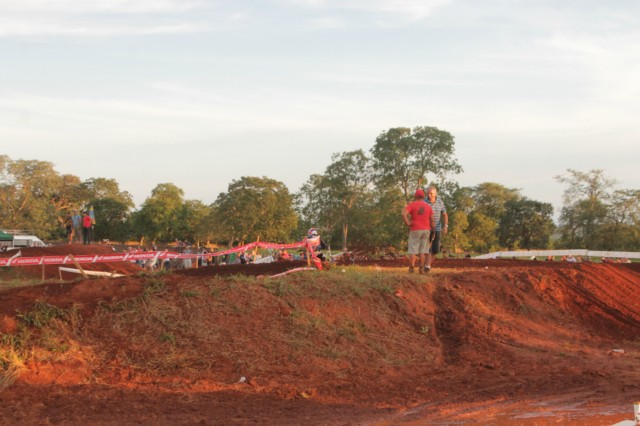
{"points": [[42, 334], [189, 293], [154, 285], [41, 314], [168, 338]]}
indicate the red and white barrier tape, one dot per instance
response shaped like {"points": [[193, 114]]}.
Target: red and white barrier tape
{"points": [[148, 255]]}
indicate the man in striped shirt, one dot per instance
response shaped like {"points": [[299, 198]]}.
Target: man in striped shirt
{"points": [[441, 224]]}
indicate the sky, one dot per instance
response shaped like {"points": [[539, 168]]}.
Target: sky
{"points": [[199, 93]]}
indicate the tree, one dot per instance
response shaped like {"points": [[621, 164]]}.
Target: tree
{"points": [[194, 220], [112, 220], [457, 231], [492, 198], [526, 224], [348, 176], [255, 208], [159, 216], [332, 198], [101, 188], [28, 197], [621, 230], [481, 232], [477, 213], [318, 208], [403, 157], [584, 206]]}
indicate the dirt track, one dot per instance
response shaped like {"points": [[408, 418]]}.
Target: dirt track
{"points": [[501, 342]]}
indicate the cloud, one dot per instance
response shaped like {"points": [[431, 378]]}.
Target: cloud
{"points": [[82, 7], [28, 18], [405, 10]]}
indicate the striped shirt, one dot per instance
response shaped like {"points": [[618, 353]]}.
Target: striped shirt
{"points": [[438, 208]]}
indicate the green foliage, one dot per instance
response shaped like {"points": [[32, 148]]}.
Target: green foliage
{"points": [[482, 232], [41, 314], [189, 293], [255, 208], [158, 218], [111, 219], [595, 216], [457, 237], [195, 221], [342, 192], [154, 285], [402, 157], [489, 216], [526, 224], [32, 194], [376, 224], [168, 337]]}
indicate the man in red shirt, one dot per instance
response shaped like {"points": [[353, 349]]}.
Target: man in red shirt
{"points": [[419, 217], [86, 228]]}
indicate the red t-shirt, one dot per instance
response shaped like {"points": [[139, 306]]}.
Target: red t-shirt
{"points": [[420, 215], [86, 222]]}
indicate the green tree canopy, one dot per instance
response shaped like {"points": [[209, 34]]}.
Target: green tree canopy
{"points": [[333, 197], [255, 208], [159, 216], [31, 196], [526, 224], [585, 207], [404, 157]]}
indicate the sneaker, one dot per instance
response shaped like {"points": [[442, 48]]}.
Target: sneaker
{"points": [[427, 269], [411, 269]]}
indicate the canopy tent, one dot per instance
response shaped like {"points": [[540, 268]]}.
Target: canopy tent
{"points": [[5, 237]]}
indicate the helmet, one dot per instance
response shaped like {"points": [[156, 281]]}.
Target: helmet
{"points": [[312, 232]]}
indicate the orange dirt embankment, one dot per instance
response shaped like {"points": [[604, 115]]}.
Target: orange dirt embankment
{"points": [[372, 345]]}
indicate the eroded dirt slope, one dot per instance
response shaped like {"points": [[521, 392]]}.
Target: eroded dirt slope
{"points": [[368, 346]]}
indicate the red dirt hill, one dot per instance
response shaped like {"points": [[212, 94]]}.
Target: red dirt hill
{"points": [[502, 342]]}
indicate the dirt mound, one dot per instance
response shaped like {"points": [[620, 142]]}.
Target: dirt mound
{"points": [[471, 341]]}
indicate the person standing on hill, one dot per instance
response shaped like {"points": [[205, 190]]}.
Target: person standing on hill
{"points": [[68, 226], [77, 226], [419, 217], [441, 224], [86, 228]]}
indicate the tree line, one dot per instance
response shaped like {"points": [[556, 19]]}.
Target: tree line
{"points": [[355, 203]]}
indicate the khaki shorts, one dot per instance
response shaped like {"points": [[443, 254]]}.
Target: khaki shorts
{"points": [[418, 242]]}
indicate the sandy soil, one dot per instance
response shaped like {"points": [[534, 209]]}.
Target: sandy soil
{"points": [[491, 342]]}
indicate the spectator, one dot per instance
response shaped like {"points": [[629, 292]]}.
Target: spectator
{"points": [[86, 228], [420, 219], [441, 224], [68, 226], [77, 226]]}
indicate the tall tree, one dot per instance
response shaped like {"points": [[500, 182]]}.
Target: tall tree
{"points": [[348, 176], [318, 208], [332, 198], [159, 216], [526, 224], [404, 157], [255, 208], [584, 206], [28, 196], [112, 220], [194, 218], [101, 188], [492, 198]]}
